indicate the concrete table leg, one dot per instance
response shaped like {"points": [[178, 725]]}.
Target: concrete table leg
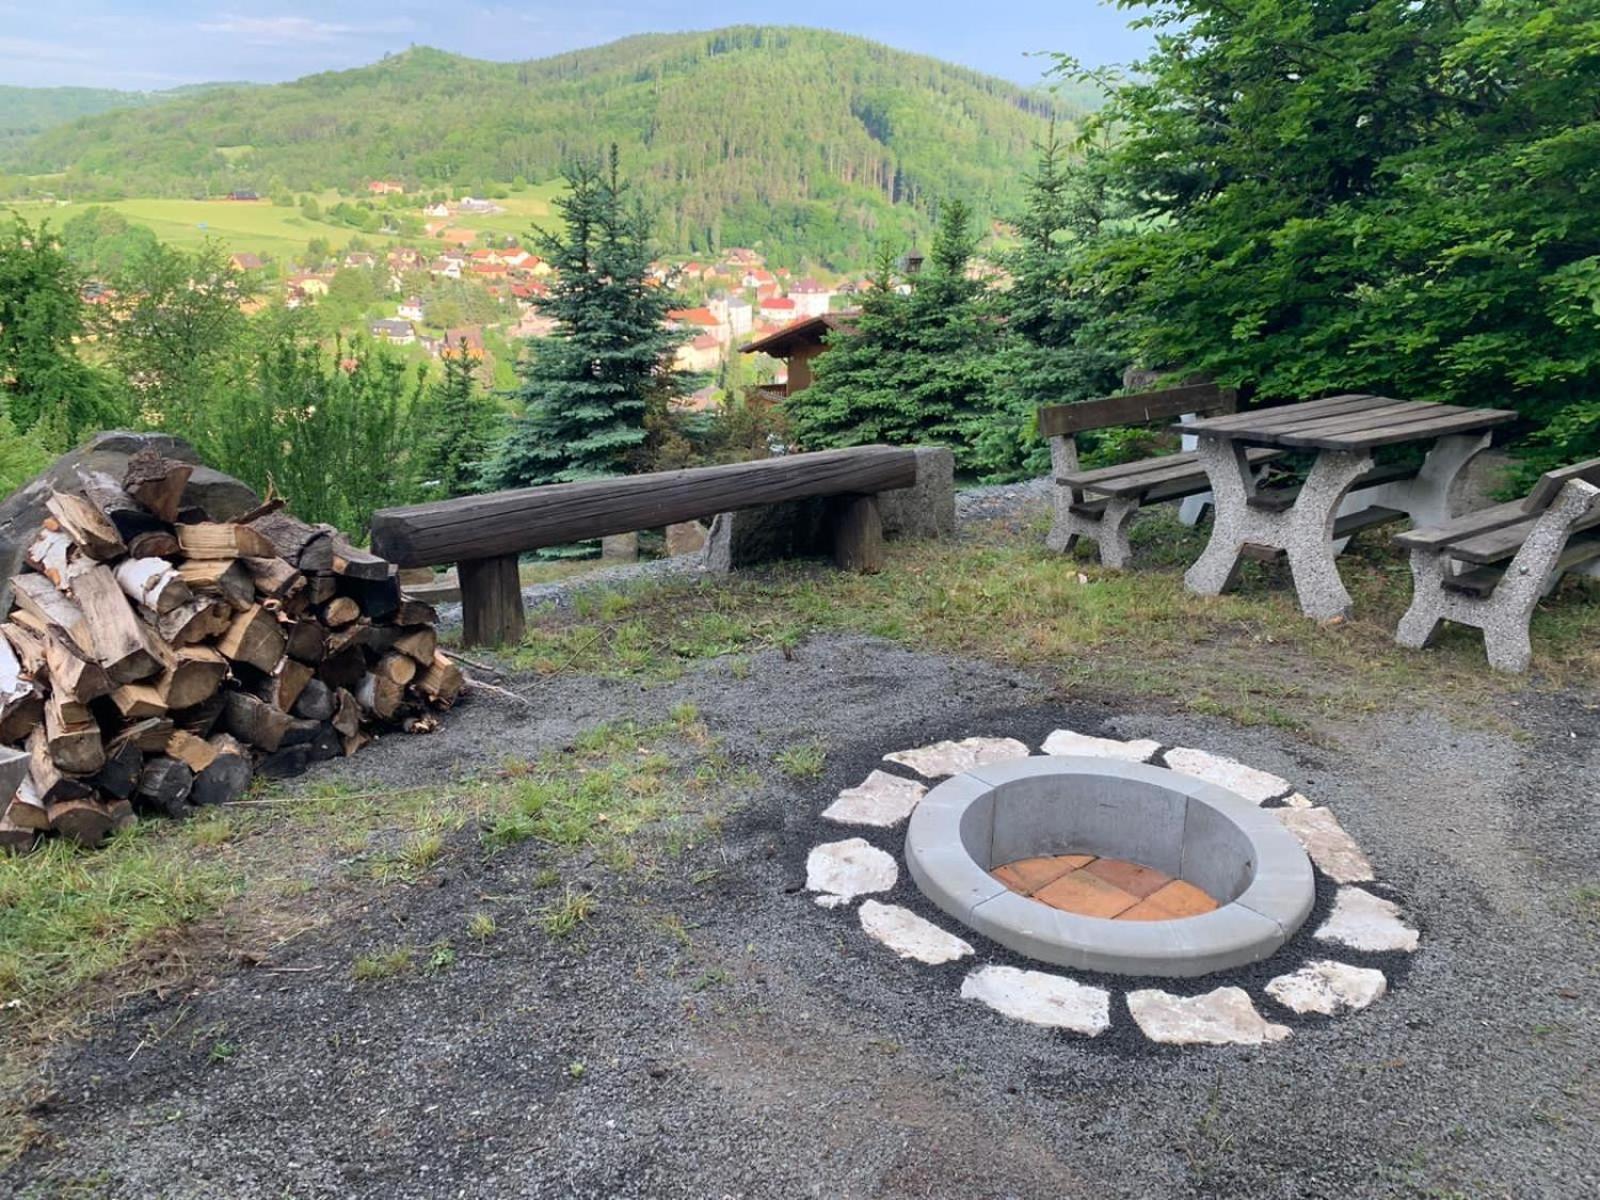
{"points": [[1308, 533], [1429, 498], [1232, 485]]}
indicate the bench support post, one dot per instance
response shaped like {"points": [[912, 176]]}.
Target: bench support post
{"points": [[491, 601], [858, 534], [1107, 527], [1504, 614]]}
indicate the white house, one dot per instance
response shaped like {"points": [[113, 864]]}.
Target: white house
{"points": [[811, 299], [411, 308]]}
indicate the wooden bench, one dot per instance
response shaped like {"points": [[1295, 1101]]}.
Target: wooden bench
{"points": [[1098, 504], [484, 535], [1488, 569]]}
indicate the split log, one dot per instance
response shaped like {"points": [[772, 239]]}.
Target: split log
{"points": [[307, 547], [127, 649], [199, 620], [328, 744], [322, 588], [49, 784], [51, 554], [315, 702], [346, 713], [228, 774], [353, 563], [153, 583], [14, 839], [213, 540], [139, 701], [441, 682], [285, 763], [86, 525], [221, 578], [193, 752], [128, 517], [49, 607], [120, 775], [380, 696], [254, 720], [201, 720], [305, 641], [74, 746], [396, 668], [415, 612], [254, 638], [71, 672], [26, 810], [194, 676], [300, 732], [164, 785], [29, 647], [273, 576], [283, 687], [343, 668], [86, 822], [13, 771], [340, 611], [158, 543], [149, 735], [379, 598], [420, 645], [19, 700], [157, 482]]}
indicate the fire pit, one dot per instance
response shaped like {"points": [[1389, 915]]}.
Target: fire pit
{"points": [[1110, 866]]}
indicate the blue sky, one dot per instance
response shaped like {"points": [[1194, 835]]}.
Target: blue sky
{"points": [[146, 44]]}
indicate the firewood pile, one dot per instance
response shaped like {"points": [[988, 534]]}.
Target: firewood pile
{"points": [[155, 660]]}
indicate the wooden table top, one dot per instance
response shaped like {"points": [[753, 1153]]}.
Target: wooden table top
{"points": [[1349, 422]]}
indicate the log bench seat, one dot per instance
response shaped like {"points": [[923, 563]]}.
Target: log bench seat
{"points": [[1488, 569], [484, 535]]}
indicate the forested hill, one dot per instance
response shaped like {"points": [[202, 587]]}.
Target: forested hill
{"points": [[794, 137], [26, 112]]}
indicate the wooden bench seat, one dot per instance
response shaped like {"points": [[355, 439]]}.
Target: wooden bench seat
{"points": [[484, 535], [1281, 499], [1489, 569], [1098, 504]]}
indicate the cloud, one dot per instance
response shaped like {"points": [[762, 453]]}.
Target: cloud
{"points": [[263, 31], [32, 48]]}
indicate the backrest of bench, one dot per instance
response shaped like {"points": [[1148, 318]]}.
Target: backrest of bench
{"points": [[1551, 482], [507, 523], [1207, 399]]}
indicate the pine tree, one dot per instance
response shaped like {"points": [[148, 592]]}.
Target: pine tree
{"points": [[916, 368], [453, 429], [586, 391], [1048, 355]]}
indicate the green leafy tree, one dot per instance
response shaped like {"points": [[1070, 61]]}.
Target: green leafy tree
{"points": [[917, 368], [102, 241], [42, 317], [586, 390], [1394, 196], [176, 332]]}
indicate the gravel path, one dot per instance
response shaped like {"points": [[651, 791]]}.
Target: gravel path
{"points": [[738, 1041]]}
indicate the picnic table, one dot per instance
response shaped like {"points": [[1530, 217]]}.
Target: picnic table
{"points": [[1342, 494]]}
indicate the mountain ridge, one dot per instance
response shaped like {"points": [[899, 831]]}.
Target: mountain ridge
{"points": [[819, 141]]}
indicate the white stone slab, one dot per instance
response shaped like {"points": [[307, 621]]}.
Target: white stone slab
{"points": [[1330, 847], [1363, 921], [1040, 999], [952, 758], [1297, 800], [880, 800], [847, 869], [909, 936], [1224, 1017], [1065, 741], [1328, 987], [1255, 786]]}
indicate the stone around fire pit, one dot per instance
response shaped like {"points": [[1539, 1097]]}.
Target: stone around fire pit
{"points": [[1179, 825]]}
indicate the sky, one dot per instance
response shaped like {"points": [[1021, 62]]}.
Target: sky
{"points": [[153, 44]]}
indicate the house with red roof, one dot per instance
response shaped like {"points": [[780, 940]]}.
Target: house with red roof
{"points": [[386, 187]]}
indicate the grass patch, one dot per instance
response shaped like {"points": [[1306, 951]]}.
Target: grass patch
{"points": [[377, 965], [804, 761], [561, 918]]}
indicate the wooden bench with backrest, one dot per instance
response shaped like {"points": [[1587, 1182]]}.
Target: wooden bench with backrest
{"points": [[484, 535], [1488, 569], [1098, 504]]}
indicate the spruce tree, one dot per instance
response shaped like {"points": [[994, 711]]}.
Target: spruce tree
{"points": [[916, 368], [453, 427], [587, 389]]}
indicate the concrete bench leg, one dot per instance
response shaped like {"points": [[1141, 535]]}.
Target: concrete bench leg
{"points": [[1505, 613], [1107, 529]]}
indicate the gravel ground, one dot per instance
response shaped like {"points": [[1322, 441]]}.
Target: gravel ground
{"points": [[766, 1048]]}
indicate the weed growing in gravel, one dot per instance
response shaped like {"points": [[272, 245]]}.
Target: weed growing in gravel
{"points": [[382, 964], [481, 927], [441, 957], [561, 918], [803, 761]]}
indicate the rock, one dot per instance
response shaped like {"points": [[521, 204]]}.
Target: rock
{"points": [[1296, 800], [1328, 987], [1330, 847], [841, 871], [22, 513], [1363, 921], [686, 537], [619, 548], [1255, 786], [1040, 999], [881, 799], [909, 936], [952, 758], [1065, 741], [1224, 1017], [926, 509]]}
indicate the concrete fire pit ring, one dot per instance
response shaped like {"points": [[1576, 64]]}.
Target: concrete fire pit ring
{"points": [[1185, 827]]}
